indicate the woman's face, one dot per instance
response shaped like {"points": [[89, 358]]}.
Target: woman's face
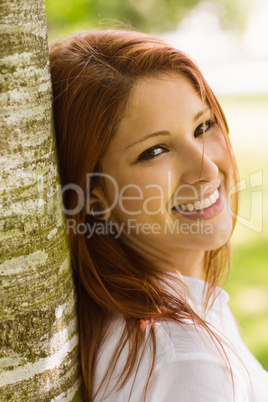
{"points": [[168, 208]]}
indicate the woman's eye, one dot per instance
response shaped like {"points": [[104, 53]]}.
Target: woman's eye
{"points": [[199, 130], [151, 153]]}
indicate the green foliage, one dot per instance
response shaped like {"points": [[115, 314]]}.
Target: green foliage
{"points": [[150, 15], [234, 14], [66, 16]]}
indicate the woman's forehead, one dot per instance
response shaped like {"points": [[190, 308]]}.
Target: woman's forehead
{"points": [[157, 99]]}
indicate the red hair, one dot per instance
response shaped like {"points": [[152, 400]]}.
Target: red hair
{"points": [[93, 75]]}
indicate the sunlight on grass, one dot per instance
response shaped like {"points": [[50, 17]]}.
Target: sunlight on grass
{"points": [[248, 282], [251, 301]]}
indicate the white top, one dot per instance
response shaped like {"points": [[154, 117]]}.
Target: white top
{"points": [[188, 367]]}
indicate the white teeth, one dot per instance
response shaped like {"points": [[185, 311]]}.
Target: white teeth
{"points": [[202, 204], [197, 205], [212, 199], [190, 207], [205, 203]]}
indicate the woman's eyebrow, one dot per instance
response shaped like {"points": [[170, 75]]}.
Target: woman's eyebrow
{"points": [[166, 132], [201, 113], [163, 132]]}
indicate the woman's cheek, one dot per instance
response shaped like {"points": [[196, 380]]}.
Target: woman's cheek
{"points": [[135, 199]]}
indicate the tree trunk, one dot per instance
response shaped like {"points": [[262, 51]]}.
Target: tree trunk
{"points": [[38, 330]]}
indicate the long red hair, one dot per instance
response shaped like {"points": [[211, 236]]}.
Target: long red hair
{"points": [[93, 74]]}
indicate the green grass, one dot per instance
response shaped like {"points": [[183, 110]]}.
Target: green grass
{"points": [[248, 282], [248, 290]]}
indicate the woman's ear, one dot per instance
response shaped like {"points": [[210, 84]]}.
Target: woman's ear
{"points": [[97, 205]]}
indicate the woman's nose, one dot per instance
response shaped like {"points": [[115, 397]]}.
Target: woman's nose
{"points": [[198, 167]]}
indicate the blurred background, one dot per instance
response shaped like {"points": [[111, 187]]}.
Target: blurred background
{"points": [[228, 40]]}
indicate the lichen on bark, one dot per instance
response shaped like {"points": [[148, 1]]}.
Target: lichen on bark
{"points": [[38, 331]]}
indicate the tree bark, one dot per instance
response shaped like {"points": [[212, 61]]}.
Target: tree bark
{"points": [[38, 330]]}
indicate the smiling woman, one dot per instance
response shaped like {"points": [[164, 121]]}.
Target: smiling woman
{"points": [[172, 110], [147, 170]]}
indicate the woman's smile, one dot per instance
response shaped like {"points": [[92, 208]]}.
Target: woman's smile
{"points": [[203, 208], [160, 136]]}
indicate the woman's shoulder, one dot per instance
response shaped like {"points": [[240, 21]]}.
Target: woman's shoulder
{"points": [[181, 340], [186, 363], [201, 367], [172, 338]]}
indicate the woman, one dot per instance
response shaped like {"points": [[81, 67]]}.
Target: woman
{"points": [[147, 169]]}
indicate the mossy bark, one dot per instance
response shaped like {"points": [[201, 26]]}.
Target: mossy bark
{"points": [[38, 330]]}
